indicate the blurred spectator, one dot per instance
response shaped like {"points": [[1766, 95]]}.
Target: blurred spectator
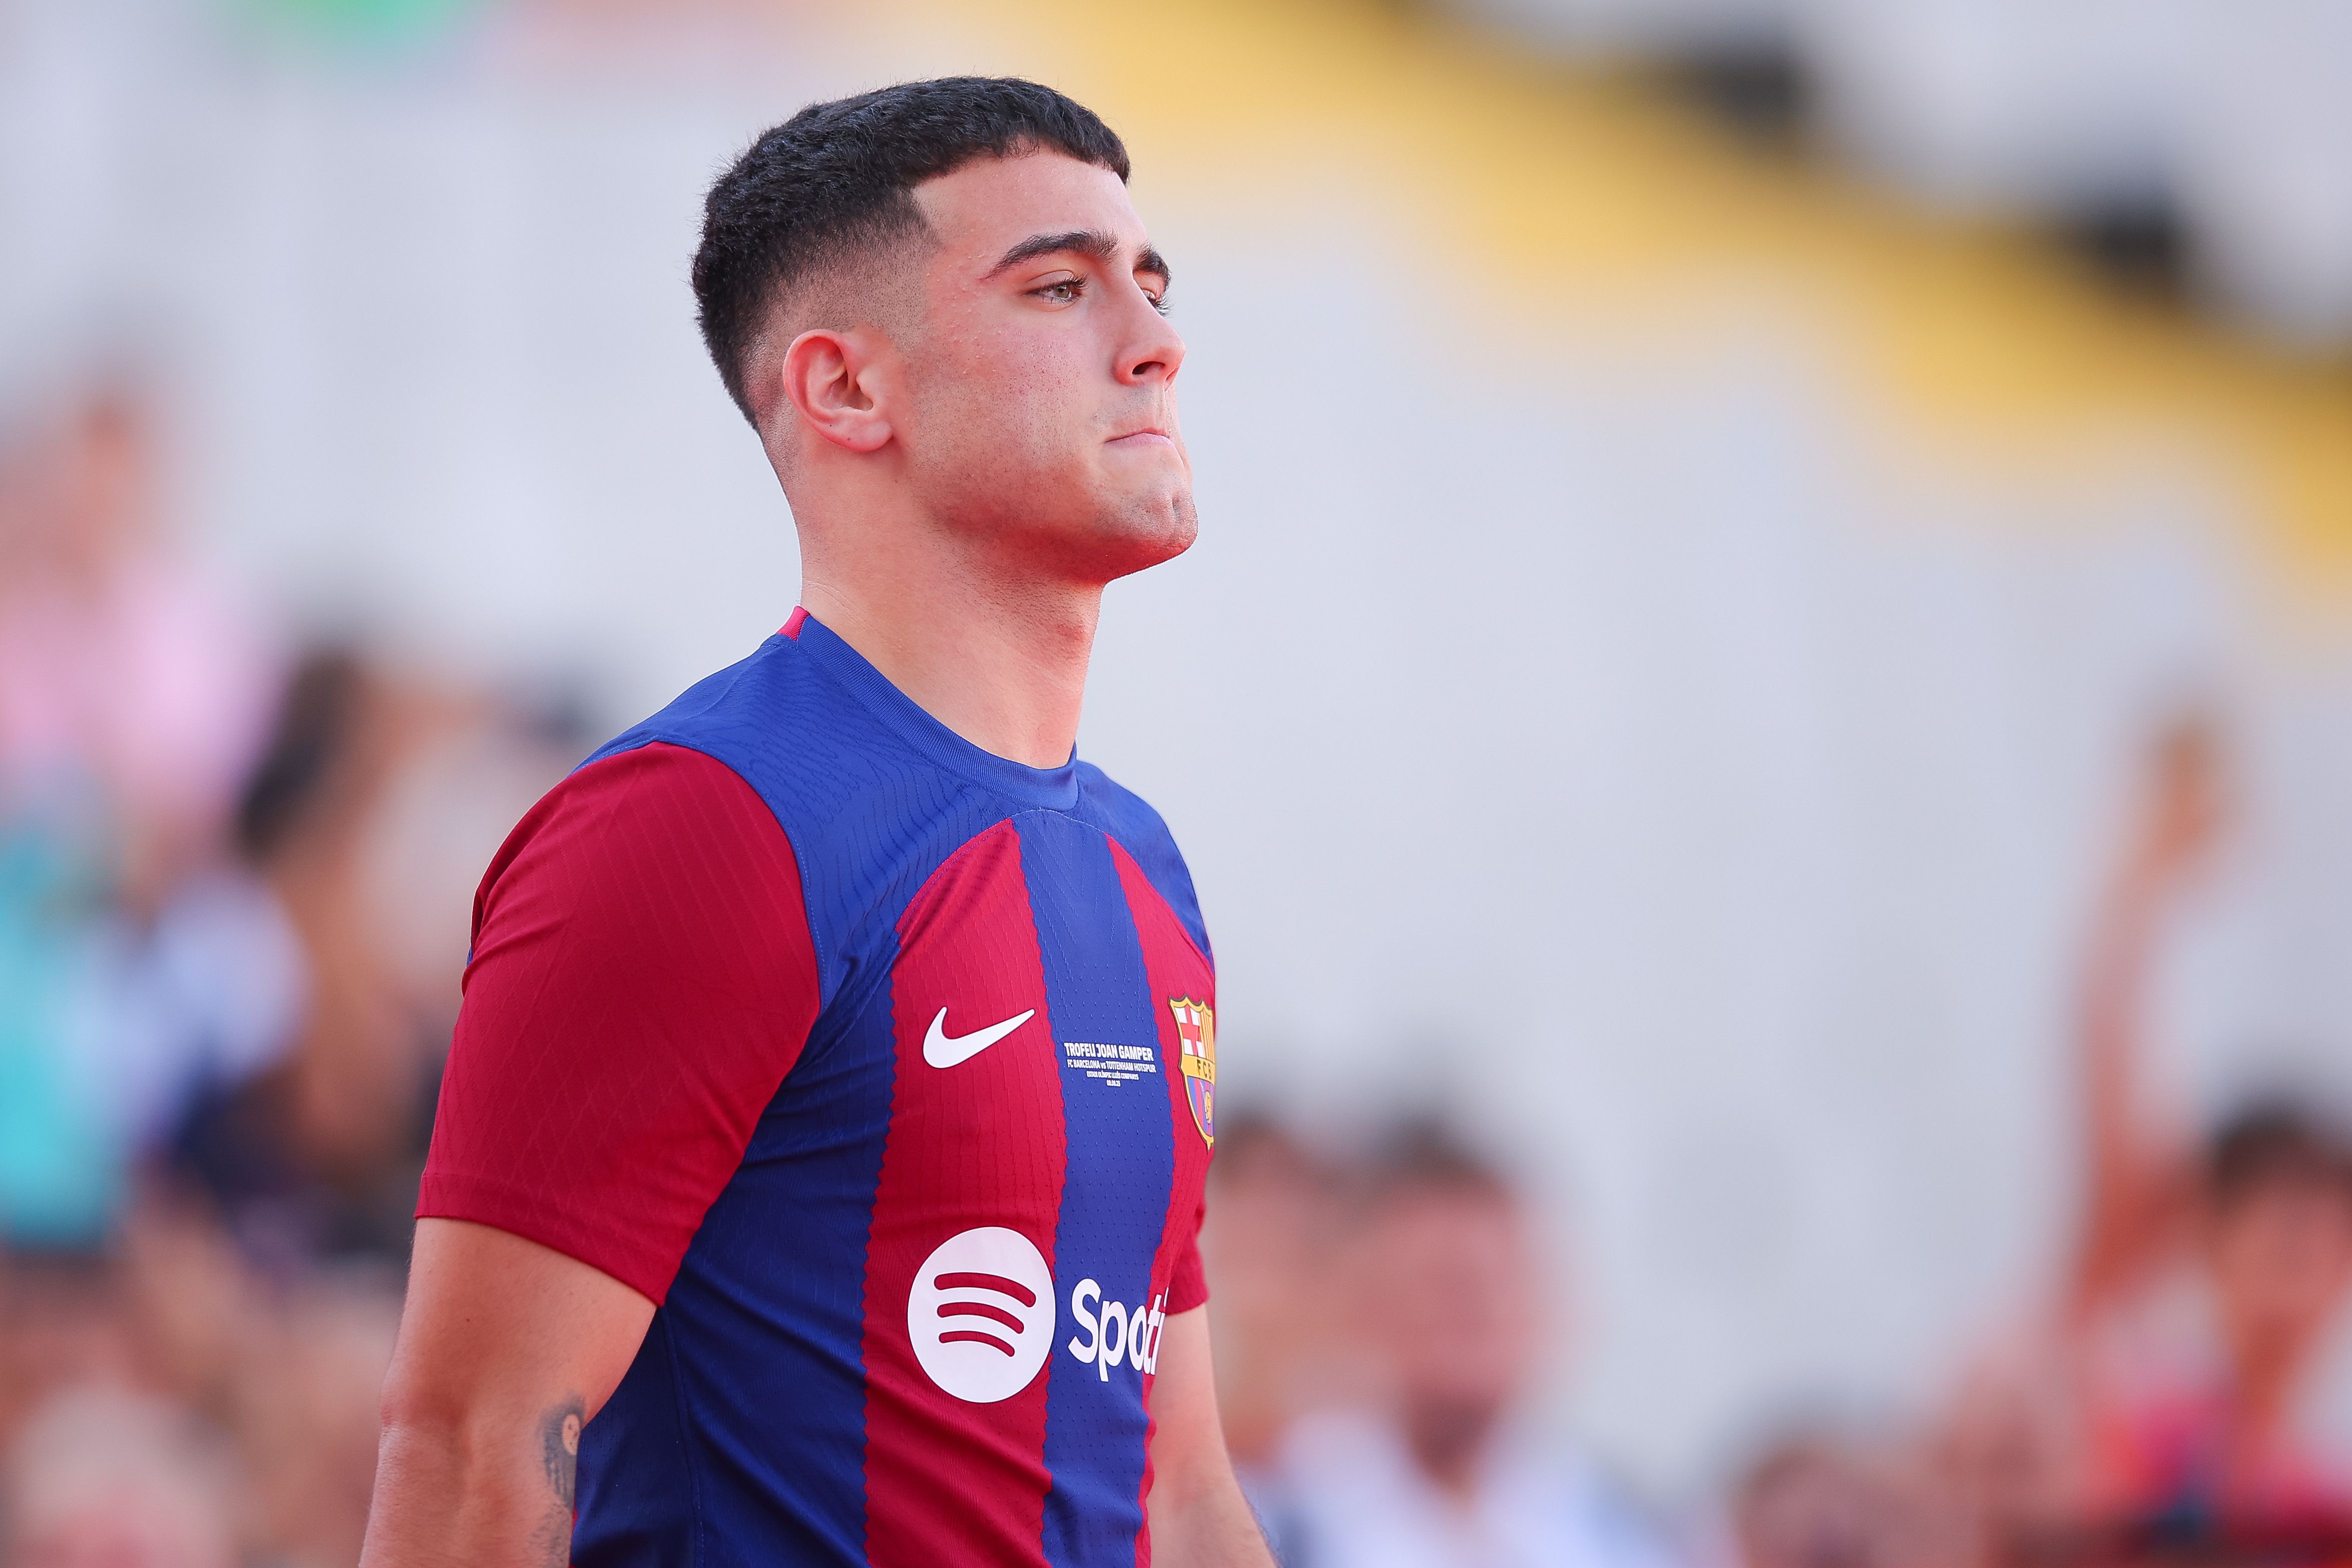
{"points": [[1817, 1498], [233, 916], [1269, 1242], [123, 671], [134, 958], [318, 1152], [2164, 1401], [306, 1420], [376, 805], [1443, 1283], [282, 1373], [63, 1321], [104, 1479]]}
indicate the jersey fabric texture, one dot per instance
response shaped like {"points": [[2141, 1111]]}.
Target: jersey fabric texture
{"points": [[884, 1066]]}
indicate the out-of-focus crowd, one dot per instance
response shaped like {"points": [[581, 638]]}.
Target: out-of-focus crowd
{"points": [[1382, 1323], [234, 881]]}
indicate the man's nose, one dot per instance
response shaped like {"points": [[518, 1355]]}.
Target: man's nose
{"points": [[1156, 351]]}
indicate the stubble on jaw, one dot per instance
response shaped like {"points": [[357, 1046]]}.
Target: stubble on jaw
{"points": [[1020, 491], [1115, 538]]}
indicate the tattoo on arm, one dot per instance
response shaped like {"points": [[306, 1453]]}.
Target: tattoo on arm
{"points": [[559, 1433]]}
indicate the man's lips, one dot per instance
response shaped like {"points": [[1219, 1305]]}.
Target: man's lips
{"points": [[1141, 438]]}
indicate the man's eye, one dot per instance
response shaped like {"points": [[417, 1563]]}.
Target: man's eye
{"points": [[1063, 293], [1158, 302]]}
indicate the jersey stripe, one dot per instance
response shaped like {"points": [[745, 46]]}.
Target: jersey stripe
{"points": [[789, 1423], [969, 1145], [1177, 969], [1113, 1203]]}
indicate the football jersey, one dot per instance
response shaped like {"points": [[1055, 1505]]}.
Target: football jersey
{"points": [[885, 1067]]}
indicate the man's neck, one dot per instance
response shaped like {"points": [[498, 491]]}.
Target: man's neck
{"points": [[1004, 668]]}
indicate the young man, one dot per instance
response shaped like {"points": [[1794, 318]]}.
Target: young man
{"points": [[819, 1166]]}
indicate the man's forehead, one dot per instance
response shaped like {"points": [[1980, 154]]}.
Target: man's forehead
{"points": [[979, 210]]}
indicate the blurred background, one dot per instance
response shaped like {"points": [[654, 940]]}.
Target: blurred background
{"points": [[1763, 718]]}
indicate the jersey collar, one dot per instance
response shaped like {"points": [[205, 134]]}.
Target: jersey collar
{"points": [[1055, 788]]}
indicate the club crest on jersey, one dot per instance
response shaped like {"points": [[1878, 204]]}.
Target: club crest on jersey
{"points": [[1196, 1030]]}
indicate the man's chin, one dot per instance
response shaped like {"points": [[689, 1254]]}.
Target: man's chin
{"points": [[1153, 529], [1117, 531]]}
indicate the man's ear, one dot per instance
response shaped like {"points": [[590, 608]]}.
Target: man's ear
{"points": [[829, 377]]}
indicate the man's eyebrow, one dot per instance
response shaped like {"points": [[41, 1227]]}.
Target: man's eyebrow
{"points": [[1082, 242]]}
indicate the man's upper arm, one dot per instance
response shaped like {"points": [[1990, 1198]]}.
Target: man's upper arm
{"points": [[1198, 1514], [496, 1322], [1188, 1441], [642, 980], [506, 1350]]}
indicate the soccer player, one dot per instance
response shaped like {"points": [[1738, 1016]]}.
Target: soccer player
{"points": [[818, 1170]]}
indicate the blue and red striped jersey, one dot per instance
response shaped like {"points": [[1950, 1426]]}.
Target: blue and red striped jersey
{"points": [[885, 1067]]}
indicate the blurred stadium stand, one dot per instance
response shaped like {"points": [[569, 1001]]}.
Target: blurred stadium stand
{"points": [[2188, 134]]}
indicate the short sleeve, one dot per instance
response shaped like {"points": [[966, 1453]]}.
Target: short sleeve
{"points": [[1188, 1285], [641, 980]]}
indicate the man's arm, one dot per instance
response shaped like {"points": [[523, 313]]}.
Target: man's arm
{"points": [[1198, 1516], [2138, 1184], [507, 1349], [642, 980]]}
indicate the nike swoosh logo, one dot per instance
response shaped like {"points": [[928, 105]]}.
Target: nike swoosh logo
{"points": [[941, 1049]]}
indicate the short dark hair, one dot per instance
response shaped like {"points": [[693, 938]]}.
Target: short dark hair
{"points": [[1425, 1157], [838, 178], [2271, 1142]]}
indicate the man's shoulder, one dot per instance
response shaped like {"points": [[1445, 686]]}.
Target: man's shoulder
{"points": [[1117, 808], [770, 717], [633, 820], [691, 796], [807, 746], [866, 812], [1136, 826]]}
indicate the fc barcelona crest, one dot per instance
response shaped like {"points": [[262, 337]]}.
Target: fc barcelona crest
{"points": [[1196, 1029]]}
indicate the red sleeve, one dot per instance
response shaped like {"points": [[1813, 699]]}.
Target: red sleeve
{"points": [[642, 980], [1188, 1286]]}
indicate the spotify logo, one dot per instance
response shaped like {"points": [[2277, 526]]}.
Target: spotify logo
{"points": [[981, 1314]]}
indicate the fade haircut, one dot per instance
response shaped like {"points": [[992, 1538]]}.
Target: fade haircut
{"points": [[834, 183]]}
